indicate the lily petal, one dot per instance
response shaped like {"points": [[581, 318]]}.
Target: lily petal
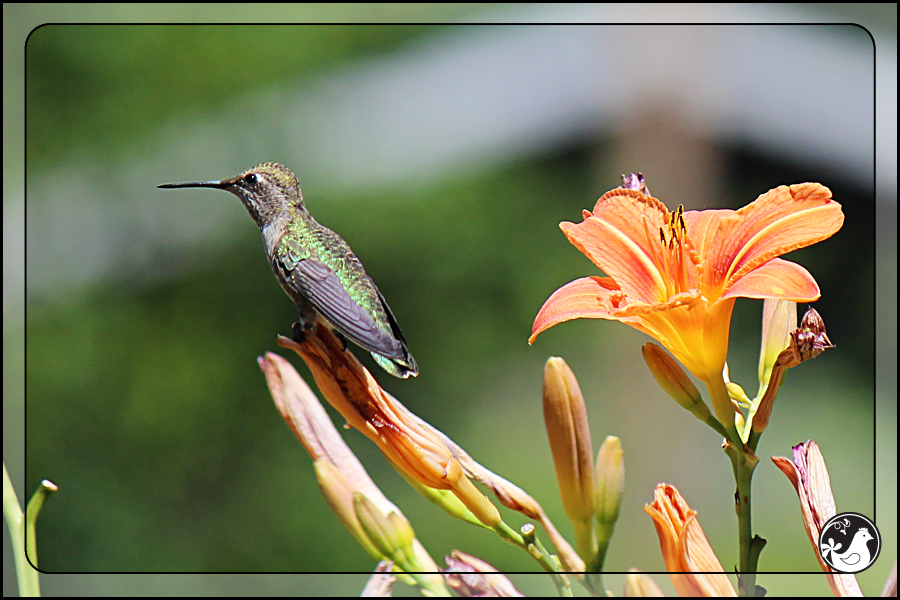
{"points": [[777, 278], [781, 220], [702, 226], [576, 300], [622, 237]]}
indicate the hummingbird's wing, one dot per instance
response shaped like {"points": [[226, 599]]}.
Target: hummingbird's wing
{"points": [[322, 287]]}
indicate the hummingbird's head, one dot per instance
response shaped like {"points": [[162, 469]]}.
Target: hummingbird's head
{"points": [[266, 190]]}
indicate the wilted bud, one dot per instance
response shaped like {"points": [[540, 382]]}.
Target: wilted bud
{"points": [[380, 584], [635, 181], [639, 585], [471, 577], [675, 382], [566, 420], [810, 477], [684, 546], [807, 342], [811, 339]]}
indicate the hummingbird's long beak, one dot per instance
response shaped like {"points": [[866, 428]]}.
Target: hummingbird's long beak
{"points": [[221, 184]]}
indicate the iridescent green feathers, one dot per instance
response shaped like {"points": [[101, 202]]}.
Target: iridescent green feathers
{"points": [[317, 267]]}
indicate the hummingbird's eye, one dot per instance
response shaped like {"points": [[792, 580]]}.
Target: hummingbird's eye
{"points": [[251, 179]]}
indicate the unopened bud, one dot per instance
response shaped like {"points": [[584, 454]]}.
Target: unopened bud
{"points": [[675, 382], [445, 499], [779, 320], [338, 492], [566, 420], [737, 393], [391, 533], [608, 487]]}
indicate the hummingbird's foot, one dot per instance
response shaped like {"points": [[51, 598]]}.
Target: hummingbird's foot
{"points": [[341, 337], [299, 333]]}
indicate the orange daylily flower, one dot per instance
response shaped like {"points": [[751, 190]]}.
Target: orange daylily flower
{"points": [[675, 276]]}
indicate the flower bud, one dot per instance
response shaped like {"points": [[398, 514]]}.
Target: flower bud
{"points": [[338, 493], [391, 534], [338, 471], [609, 486], [779, 320], [446, 500], [409, 445], [609, 483], [566, 420], [675, 382], [808, 341]]}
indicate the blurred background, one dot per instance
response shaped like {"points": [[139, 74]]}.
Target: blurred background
{"points": [[446, 155]]}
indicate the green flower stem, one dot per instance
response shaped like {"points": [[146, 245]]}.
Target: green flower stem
{"points": [[425, 582], [19, 524], [747, 571], [594, 576], [743, 461], [529, 542], [31, 514]]}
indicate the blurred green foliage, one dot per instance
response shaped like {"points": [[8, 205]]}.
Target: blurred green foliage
{"points": [[98, 88]]}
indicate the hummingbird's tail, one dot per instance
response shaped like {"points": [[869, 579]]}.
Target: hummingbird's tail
{"points": [[398, 368]]}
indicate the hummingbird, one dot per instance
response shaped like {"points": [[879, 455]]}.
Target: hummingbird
{"points": [[316, 267]]}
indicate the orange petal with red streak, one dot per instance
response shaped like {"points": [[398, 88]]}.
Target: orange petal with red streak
{"points": [[577, 299]]}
